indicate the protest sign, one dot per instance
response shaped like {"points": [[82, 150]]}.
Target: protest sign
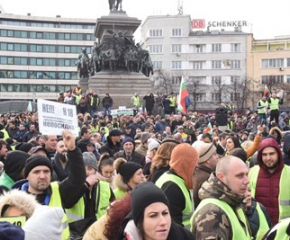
{"points": [[54, 117]]}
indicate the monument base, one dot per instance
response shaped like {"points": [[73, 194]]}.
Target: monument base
{"points": [[121, 86]]}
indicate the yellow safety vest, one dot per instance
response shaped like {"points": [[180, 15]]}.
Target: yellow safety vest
{"points": [[263, 224], [235, 218], [6, 135], [281, 229], [188, 210], [78, 99], [172, 101], [103, 195], [264, 104], [55, 201], [274, 105], [284, 193], [119, 193], [135, 101], [94, 129]]}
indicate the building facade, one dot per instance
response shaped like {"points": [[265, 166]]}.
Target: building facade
{"points": [[212, 62], [38, 55]]}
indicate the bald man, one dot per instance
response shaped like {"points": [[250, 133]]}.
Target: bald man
{"points": [[219, 215]]}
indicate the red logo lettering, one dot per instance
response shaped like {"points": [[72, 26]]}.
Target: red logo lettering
{"points": [[198, 23]]}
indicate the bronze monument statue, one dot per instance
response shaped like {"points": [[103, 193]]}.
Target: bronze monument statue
{"points": [[83, 64], [115, 4]]}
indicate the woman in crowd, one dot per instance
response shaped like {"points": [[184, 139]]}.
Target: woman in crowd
{"points": [[160, 162], [129, 175], [106, 169], [150, 216]]}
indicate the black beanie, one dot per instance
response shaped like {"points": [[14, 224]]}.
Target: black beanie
{"points": [[127, 170], [142, 196], [34, 161], [9, 231], [14, 164]]}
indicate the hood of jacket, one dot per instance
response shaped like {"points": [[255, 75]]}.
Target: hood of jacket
{"points": [[183, 161], [215, 188], [119, 183], [270, 142], [278, 131], [286, 145], [20, 199]]}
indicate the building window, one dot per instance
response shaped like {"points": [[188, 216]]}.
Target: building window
{"points": [[274, 79], [197, 65], [176, 80], [176, 48], [274, 63], [288, 78], [217, 80], [155, 49], [155, 33], [216, 64], [176, 64], [176, 32], [235, 64], [235, 47], [235, 79], [215, 97], [216, 47], [200, 97], [157, 64], [199, 48], [235, 96]]}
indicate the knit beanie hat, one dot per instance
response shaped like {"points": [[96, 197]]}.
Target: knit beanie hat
{"points": [[126, 169], [204, 150], [90, 160], [183, 161], [153, 144], [24, 146], [142, 196], [14, 164], [44, 224], [127, 139], [34, 161], [9, 231]]}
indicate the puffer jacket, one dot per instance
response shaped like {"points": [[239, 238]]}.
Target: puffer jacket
{"points": [[268, 184], [286, 149]]}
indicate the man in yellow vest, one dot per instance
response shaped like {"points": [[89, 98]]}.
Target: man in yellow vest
{"points": [[263, 110], [269, 180], [65, 194], [274, 103], [220, 214], [135, 100], [172, 104]]}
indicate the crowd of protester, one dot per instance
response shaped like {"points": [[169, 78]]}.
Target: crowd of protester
{"points": [[145, 176]]}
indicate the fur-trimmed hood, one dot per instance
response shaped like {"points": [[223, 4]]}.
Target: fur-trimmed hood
{"points": [[20, 199], [119, 183], [280, 134]]}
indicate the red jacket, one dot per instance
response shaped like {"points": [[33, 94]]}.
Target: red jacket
{"points": [[267, 189]]}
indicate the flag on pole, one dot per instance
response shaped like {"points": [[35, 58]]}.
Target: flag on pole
{"points": [[183, 98], [208, 129], [266, 91], [29, 107]]}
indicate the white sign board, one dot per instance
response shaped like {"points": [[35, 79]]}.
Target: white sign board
{"points": [[54, 117]]}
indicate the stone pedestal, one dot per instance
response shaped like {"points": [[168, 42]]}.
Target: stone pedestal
{"points": [[121, 86]]}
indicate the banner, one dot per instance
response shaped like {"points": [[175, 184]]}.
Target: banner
{"points": [[17, 221], [54, 117]]}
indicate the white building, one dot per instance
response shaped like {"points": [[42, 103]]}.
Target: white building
{"points": [[38, 54], [212, 62]]}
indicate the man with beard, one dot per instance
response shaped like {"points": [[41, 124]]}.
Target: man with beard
{"points": [[269, 180], [60, 162]]}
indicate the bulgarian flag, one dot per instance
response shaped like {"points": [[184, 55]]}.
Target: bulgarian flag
{"points": [[208, 129], [29, 108], [266, 91], [183, 98]]}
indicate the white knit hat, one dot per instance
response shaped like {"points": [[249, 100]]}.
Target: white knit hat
{"points": [[153, 144]]}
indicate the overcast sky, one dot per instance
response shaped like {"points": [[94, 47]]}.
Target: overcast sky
{"points": [[266, 18]]}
